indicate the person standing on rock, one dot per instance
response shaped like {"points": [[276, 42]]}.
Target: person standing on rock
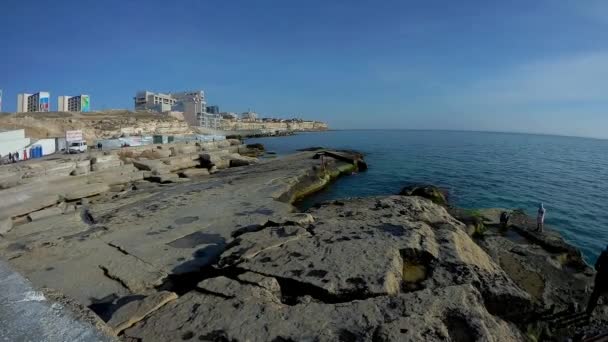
{"points": [[601, 281], [540, 218], [504, 219]]}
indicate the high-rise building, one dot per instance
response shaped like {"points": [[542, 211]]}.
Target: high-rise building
{"points": [[79, 103], [191, 103], [39, 102]]}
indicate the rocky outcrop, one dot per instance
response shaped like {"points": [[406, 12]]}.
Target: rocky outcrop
{"points": [[35, 188], [273, 126], [127, 244], [96, 125], [383, 269], [226, 257], [426, 191]]}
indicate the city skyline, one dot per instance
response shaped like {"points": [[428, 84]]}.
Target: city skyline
{"points": [[516, 67]]}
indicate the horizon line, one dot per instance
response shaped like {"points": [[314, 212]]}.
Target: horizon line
{"points": [[468, 131]]}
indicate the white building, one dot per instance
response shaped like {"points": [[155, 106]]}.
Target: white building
{"points": [[249, 116], [158, 102], [79, 103], [229, 115], [191, 103], [39, 102], [12, 141]]}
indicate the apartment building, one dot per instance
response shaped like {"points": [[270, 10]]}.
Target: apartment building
{"points": [[191, 103], [38, 102], [78, 103]]}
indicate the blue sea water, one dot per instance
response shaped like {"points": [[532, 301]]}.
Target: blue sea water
{"points": [[480, 170]]}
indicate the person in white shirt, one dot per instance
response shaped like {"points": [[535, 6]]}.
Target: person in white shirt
{"points": [[540, 217]]}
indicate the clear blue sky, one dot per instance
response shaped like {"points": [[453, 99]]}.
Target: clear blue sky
{"points": [[527, 66]]}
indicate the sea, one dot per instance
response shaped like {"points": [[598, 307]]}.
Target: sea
{"points": [[479, 170]]}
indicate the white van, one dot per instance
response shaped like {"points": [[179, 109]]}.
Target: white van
{"points": [[77, 146]]}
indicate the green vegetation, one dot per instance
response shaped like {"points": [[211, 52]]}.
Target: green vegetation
{"points": [[473, 213], [480, 229]]}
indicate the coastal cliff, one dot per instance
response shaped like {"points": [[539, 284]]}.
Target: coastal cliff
{"points": [[274, 126], [227, 257], [116, 123], [95, 125]]}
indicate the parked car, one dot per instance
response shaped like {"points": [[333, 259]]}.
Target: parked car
{"points": [[77, 147]]}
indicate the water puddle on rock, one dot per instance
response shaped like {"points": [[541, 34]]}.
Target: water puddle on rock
{"points": [[413, 273], [416, 268]]}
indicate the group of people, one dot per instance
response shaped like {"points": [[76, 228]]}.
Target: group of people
{"points": [[13, 157], [601, 266]]}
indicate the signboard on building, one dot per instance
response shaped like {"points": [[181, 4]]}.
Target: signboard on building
{"points": [[44, 104], [73, 136], [85, 103]]}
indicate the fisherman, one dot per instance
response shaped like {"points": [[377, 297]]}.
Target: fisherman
{"points": [[540, 218], [601, 281], [99, 146], [16, 157], [10, 157], [504, 219]]}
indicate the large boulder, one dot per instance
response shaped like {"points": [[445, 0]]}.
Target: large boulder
{"points": [[151, 165], [256, 146], [181, 162], [239, 160], [431, 192], [219, 159]]}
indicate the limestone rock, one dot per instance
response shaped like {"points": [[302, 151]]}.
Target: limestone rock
{"points": [[427, 191], [268, 283], [257, 315], [256, 146], [6, 224], [181, 162], [234, 142], [85, 191], [106, 165], [218, 159], [239, 160], [384, 246], [148, 165], [136, 310], [133, 273], [191, 173], [118, 175], [38, 215], [104, 158]]}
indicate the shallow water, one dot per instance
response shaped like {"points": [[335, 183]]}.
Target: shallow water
{"points": [[480, 170]]}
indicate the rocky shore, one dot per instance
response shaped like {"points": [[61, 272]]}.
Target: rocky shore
{"points": [[223, 255]]}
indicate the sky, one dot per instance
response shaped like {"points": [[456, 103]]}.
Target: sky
{"points": [[524, 66]]}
